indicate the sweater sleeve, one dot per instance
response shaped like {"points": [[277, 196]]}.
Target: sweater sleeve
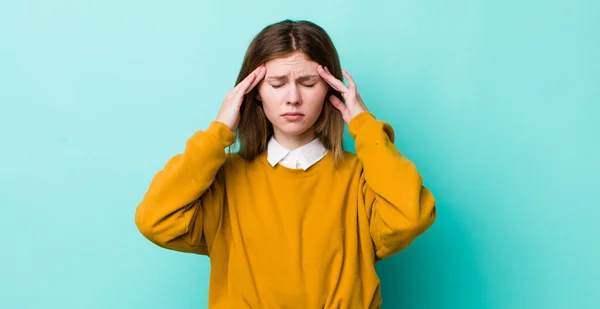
{"points": [[398, 206], [183, 205]]}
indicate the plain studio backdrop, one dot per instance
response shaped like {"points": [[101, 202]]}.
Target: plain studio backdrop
{"points": [[496, 102]]}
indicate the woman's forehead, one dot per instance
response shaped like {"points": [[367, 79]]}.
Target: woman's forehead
{"points": [[295, 64]]}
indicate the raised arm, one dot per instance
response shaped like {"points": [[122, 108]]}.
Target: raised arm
{"points": [[398, 205], [400, 208], [185, 198], [183, 206]]}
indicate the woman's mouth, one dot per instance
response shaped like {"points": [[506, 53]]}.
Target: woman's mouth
{"points": [[292, 116]]}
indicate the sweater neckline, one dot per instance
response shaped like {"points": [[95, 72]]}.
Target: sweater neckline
{"points": [[279, 169]]}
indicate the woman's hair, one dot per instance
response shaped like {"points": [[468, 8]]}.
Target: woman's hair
{"points": [[280, 40]]}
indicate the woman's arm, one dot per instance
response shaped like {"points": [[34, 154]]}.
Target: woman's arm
{"points": [[399, 207], [183, 207], [184, 202]]}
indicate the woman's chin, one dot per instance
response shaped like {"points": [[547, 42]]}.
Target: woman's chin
{"points": [[293, 132], [294, 129]]}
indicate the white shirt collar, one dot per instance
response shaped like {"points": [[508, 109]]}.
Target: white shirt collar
{"points": [[302, 157]]}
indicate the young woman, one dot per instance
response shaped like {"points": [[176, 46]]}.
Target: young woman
{"points": [[290, 220]]}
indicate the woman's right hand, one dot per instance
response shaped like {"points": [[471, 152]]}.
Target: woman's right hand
{"points": [[229, 114]]}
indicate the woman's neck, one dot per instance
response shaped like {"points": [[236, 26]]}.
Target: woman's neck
{"points": [[293, 142]]}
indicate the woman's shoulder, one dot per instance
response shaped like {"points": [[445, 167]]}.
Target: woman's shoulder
{"points": [[348, 167], [349, 155], [235, 161]]}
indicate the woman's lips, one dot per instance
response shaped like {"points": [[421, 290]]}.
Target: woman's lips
{"points": [[292, 116]]}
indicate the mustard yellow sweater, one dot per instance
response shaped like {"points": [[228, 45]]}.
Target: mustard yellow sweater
{"points": [[285, 238]]}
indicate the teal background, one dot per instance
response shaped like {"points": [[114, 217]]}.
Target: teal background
{"points": [[495, 101]]}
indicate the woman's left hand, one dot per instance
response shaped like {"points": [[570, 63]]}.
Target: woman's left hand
{"points": [[354, 104]]}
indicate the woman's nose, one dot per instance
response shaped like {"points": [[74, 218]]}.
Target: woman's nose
{"points": [[293, 95]]}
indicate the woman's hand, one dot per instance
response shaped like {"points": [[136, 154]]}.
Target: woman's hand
{"points": [[354, 104], [229, 114]]}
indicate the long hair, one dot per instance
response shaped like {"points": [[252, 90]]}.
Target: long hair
{"points": [[279, 40]]}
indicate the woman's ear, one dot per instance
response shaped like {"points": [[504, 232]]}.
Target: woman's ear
{"points": [[258, 96]]}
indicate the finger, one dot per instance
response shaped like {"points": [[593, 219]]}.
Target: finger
{"points": [[351, 82], [337, 103], [243, 85], [260, 75], [331, 80]]}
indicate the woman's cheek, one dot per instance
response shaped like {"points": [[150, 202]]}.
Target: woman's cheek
{"points": [[265, 95], [316, 94]]}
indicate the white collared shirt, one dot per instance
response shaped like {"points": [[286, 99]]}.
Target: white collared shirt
{"points": [[302, 157]]}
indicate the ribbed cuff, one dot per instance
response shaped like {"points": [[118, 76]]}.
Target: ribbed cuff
{"points": [[221, 132], [359, 121]]}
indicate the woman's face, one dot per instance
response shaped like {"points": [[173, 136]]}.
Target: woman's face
{"points": [[292, 95]]}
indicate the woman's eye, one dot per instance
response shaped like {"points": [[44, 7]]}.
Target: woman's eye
{"points": [[309, 86]]}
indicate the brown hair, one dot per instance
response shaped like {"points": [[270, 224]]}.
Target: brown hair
{"points": [[279, 40]]}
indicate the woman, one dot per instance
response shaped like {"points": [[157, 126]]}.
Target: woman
{"points": [[291, 220]]}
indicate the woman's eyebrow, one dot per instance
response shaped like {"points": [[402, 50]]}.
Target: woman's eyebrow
{"points": [[284, 77]]}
